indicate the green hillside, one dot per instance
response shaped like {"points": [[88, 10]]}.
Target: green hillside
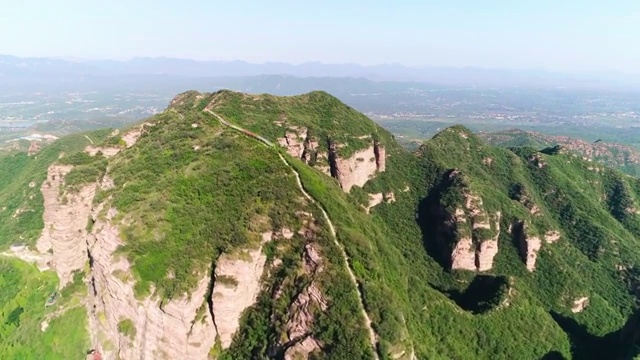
{"points": [[623, 157], [475, 252]]}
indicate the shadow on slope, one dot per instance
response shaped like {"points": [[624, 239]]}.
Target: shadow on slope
{"points": [[618, 345], [553, 355], [436, 225], [485, 293]]}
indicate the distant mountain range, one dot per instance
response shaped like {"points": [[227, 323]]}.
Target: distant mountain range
{"points": [[18, 72]]}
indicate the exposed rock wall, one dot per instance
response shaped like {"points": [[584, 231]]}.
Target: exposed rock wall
{"points": [[299, 328], [473, 250], [294, 141], [529, 245], [358, 169], [463, 256], [65, 222], [353, 171], [179, 329], [237, 284]]}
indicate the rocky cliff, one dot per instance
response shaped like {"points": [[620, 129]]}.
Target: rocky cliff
{"points": [[65, 221], [467, 234], [354, 170], [177, 329]]}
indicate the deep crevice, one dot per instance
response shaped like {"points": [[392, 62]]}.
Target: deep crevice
{"points": [[209, 294], [333, 160]]}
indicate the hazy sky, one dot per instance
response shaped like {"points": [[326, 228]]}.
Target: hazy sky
{"points": [[565, 35]]}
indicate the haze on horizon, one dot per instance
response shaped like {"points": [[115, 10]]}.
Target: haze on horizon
{"points": [[572, 36]]}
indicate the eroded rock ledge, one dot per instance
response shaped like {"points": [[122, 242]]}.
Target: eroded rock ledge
{"points": [[355, 170], [529, 244], [466, 235]]}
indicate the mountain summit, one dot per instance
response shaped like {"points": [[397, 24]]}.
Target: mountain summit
{"points": [[241, 226]]}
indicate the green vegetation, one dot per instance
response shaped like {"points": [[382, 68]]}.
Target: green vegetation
{"points": [[20, 181], [623, 157], [23, 293], [192, 189], [127, 328], [323, 115]]}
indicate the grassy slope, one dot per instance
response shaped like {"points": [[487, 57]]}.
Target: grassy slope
{"points": [[623, 157], [23, 293], [323, 115]]}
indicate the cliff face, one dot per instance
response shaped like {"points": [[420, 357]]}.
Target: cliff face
{"points": [[179, 329], [65, 222], [355, 170], [529, 244], [468, 237], [237, 284]]}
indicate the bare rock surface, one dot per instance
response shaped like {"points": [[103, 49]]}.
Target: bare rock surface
{"points": [[374, 199], [300, 341], [357, 169], [294, 141], [178, 329], [474, 252], [237, 284], [580, 304], [65, 221], [464, 256], [107, 151]]}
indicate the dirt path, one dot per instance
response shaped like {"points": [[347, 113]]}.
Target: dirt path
{"points": [[372, 335], [345, 258]]}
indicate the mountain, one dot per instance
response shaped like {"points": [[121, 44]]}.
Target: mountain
{"points": [[15, 71], [623, 157], [240, 226]]}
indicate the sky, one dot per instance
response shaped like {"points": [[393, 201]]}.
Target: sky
{"points": [[557, 35]]}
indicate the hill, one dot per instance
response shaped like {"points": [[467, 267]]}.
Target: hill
{"points": [[238, 226], [623, 157]]}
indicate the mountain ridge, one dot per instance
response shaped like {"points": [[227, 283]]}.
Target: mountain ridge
{"points": [[623, 157], [200, 242], [463, 76]]}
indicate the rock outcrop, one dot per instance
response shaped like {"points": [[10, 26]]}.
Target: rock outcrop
{"points": [[178, 329], [476, 235], [374, 199], [34, 147], [107, 151], [299, 327], [551, 236], [463, 256], [65, 222], [529, 244], [357, 169], [353, 171], [237, 284], [580, 304], [131, 137], [294, 141]]}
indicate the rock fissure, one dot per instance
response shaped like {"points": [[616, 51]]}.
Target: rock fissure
{"points": [[209, 296]]}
